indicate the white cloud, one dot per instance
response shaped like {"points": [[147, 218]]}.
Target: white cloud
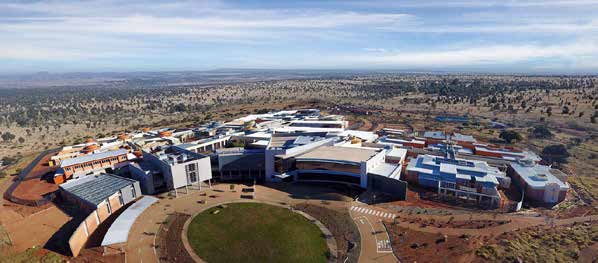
{"points": [[484, 55], [546, 27], [56, 30], [475, 3]]}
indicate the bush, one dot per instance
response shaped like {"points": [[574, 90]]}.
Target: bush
{"points": [[509, 136], [541, 132], [487, 252], [556, 153]]}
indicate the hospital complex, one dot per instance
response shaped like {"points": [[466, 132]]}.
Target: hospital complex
{"points": [[104, 174]]}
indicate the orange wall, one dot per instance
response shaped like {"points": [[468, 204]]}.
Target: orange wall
{"points": [[97, 164], [489, 154]]}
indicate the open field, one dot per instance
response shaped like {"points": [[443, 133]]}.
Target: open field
{"points": [[541, 244], [32, 255], [414, 246], [248, 232], [20, 164], [566, 106]]}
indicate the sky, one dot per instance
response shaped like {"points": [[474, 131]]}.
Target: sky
{"points": [[535, 36]]}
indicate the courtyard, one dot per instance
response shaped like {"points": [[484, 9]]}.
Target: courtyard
{"points": [[253, 232]]}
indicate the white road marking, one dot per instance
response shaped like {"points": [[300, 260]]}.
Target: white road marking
{"points": [[380, 244]]}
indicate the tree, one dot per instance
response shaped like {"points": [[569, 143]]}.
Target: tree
{"points": [[8, 160], [541, 132], [510, 136], [556, 153], [7, 136], [21, 140]]}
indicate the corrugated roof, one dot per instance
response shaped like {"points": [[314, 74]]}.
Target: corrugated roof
{"points": [[95, 189], [93, 157]]}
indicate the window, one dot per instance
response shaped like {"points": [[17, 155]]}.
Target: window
{"points": [[193, 177], [191, 167], [120, 198], [108, 207], [133, 193]]}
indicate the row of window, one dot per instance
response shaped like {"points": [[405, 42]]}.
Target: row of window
{"points": [[120, 198], [90, 164]]}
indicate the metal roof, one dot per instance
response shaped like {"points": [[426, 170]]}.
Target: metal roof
{"points": [[463, 138], [538, 176], [389, 170], [93, 157], [95, 189], [119, 230], [338, 153], [435, 135]]}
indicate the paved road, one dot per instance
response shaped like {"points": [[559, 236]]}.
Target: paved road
{"points": [[375, 242]]}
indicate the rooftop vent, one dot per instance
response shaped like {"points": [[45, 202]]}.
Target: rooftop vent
{"points": [[526, 162]]}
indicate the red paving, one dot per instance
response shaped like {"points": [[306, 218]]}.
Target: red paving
{"points": [[33, 188]]}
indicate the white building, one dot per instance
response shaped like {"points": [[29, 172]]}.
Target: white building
{"points": [[180, 167]]}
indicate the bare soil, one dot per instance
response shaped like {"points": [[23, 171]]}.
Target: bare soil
{"points": [[416, 246], [462, 224], [169, 242]]}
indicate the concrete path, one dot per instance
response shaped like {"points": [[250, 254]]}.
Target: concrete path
{"points": [[375, 242], [141, 240]]}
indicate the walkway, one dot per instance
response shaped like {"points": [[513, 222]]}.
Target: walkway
{"points": [[375, 242], [140, 247]]}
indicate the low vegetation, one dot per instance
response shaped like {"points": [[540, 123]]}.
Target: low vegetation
{"points": [[16, 165], [586, 187], [32, 255], [561, 244]]}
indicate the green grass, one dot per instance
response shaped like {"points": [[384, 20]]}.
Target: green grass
{"points": [[250, 232]]}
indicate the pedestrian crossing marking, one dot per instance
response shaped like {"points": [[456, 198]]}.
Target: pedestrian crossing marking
{"points": [[368, 211]]}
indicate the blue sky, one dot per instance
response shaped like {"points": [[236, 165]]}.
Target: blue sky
{"points": [[553, 36]]}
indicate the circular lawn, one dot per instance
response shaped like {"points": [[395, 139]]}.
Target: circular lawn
{"points": [[253, 232]]}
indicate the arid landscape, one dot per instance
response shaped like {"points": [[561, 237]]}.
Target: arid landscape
{"points": [[542, 111]]}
